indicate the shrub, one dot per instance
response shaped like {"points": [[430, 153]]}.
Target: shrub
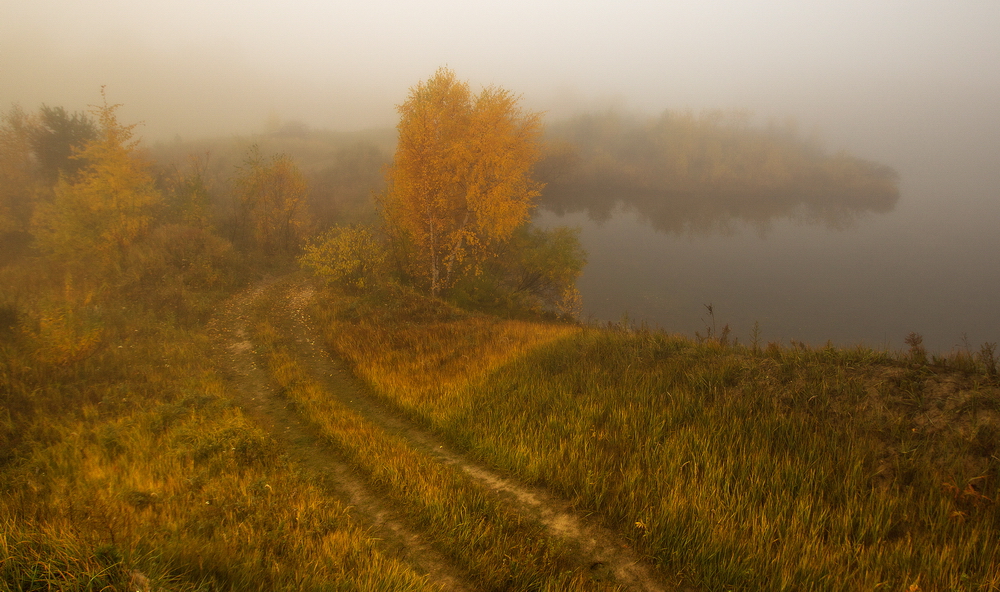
{"points": [[348, 256]]}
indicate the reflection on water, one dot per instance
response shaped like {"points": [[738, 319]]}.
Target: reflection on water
{"points": [[701, 173], [928, 266], [698, 212]]}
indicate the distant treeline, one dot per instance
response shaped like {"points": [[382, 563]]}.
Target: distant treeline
{"points": [[342, 169], [705, 167]]}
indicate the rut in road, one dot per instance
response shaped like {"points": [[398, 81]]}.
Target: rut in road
{"points": [[602, 551]]}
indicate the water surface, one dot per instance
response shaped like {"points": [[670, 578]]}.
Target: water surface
{"points": [[931, 265]]}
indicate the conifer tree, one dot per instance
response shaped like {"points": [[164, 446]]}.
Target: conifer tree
{"points": [[106, 207], [18, 182]]}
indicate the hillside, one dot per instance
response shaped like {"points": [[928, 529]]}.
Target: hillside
{"points": [[149, 454]]}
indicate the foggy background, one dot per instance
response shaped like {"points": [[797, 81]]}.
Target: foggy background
{"points": [[914, 85], [875, 77]]}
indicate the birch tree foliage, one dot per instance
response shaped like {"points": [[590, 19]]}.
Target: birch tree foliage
{"points": [[349, 256], [460, 183]]}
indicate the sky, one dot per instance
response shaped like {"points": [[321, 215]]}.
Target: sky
{"points": [[872, 77]]}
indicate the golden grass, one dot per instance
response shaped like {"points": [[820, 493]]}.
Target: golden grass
{"points": [[210, 503], [130, 468], [786, 469], [500, 549], [422, 375]]}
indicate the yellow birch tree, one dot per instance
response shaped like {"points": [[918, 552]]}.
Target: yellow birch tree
{"points": [[460, 182]]}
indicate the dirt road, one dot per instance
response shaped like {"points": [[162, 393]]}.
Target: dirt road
{"points": [[602, 552]]}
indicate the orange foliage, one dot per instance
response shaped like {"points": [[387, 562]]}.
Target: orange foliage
{"points": [[270, 201], [461, 180]]}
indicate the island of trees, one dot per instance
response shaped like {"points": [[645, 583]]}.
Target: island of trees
{"points": [[685, 171]]}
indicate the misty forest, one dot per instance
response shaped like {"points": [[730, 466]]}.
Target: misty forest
{"points": [[319, 360]]}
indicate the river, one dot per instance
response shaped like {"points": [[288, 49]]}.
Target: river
{"points": [[931, 265]]}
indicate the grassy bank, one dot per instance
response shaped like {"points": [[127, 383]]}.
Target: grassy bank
{"points": [[471, 525], [782, 468]]}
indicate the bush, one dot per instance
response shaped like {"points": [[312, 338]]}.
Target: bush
{"points": [[348, 256]]}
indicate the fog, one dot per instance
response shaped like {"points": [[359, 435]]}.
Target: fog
{"points": [[886, 80], [913, 85], [877, 78]]}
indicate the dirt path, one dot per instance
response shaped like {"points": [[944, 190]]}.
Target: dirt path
{"points": [[606, 554]]}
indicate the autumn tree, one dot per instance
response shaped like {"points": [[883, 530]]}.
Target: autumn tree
{"points": [[187, 193], [460, 183], [269, 203], [97, 215], [34, 150]]}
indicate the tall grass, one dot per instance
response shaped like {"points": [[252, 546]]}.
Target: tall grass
{"points": [[785, 469], [126, 466], [419, 352], [500, 549], [188, 495]]}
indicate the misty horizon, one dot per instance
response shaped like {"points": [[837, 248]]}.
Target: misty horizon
{"points": [[883, 82]]}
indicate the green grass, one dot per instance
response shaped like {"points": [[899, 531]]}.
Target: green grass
{"points": [[791, 468]]}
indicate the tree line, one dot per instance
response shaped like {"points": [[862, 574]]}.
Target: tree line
{"points": [[714, 150], [682, 169], [80, 192]]}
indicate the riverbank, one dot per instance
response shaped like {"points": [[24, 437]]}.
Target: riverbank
{"points": [[756, 467]]}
